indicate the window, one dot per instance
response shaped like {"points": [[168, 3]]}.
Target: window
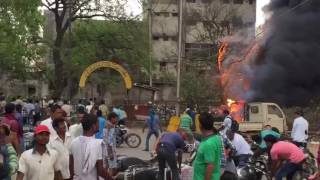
{"points": [[163, 66], [274, 110], [165, 14], [225, 1], [174, 38], [254, 109], [238, 1], [251, 1], [155, 38], [198, 51], [165, 38], [191, 1], [157, 13], [174, 14]]}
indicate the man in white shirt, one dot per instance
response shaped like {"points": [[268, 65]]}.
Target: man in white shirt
{"points": [[227, 123], [243, 149], [61, 143], [39, 162], [76, 129], [86, 152], [56, 113], [67, 108], [299, 133]]}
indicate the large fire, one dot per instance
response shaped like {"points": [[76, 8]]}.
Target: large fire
{"points": [[236, 109], [233, 60]]}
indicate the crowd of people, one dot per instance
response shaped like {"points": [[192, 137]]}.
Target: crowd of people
{"points": [[85, 149], [63, 146]]}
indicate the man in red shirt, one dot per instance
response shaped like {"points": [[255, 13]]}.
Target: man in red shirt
{"points": [[12, 122], [284, 151]]}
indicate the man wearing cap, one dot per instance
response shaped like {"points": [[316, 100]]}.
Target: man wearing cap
{"points": [[39, 162], [299, 133]]}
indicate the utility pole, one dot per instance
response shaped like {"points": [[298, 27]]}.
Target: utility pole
{"points": [[179, 57], [150, 40]]}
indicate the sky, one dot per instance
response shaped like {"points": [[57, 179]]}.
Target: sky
{"points": [[134, 6]]}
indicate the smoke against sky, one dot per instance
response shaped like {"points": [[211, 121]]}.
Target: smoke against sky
{"points": [[288, 71]]}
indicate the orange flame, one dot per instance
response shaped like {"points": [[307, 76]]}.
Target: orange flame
{"points": [[221, 54], [236, 109]]}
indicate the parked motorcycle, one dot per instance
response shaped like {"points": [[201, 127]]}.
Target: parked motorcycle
{"points": [[133, 140], [130, 168], [309, 167]]}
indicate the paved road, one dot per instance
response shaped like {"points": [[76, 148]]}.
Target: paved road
{"points": [[138, 152]]}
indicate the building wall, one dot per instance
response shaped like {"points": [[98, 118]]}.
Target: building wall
{"points": [[165, 19]]}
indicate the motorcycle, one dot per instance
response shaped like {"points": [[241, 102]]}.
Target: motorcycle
{"points": [[309, 167], [130, 168], [133, 140]]}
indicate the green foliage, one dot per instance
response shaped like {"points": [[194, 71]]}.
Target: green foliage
{"points": [[124, 42], [198, 88], [19, 29]]}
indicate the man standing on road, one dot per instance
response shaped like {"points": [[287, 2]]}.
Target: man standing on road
{"points": [[186, 122], [104, 108], [227, 123], [208, 160], [61, 143], [86, 152], [56, 113], [39, 162], [153, 124], [166, 147], [299, 133], [16, 130], [76, 129]]}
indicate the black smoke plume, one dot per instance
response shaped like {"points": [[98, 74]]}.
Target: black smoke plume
{"points": [[288, 69]]}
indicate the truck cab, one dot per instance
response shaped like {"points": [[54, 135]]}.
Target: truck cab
{"points": [[259, 114]]}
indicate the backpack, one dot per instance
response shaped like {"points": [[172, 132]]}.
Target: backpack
{"points": [[4, 162], [234, 125]]}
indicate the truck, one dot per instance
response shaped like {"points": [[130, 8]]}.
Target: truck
{"points": [[256, 115]]}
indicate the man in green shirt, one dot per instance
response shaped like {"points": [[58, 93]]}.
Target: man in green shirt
{"points": [[268, 130], [208, 160], [186, 122]]}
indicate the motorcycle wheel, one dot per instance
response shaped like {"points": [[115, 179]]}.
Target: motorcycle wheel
{"points": [[300, 175], [133, 140]]}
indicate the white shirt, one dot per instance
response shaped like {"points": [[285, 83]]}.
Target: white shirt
{"points": [[37, 167], [241, 145], [89, 107], [86, 151], [62, 148], [67, 108], [29, 107], [299, 131], [48, 123], [227, 123], [76, 130]]}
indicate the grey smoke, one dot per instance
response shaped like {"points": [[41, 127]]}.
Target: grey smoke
{"points": [[287, 71]]}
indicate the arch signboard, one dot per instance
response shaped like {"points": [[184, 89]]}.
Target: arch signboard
{"points": [[106, 64]]}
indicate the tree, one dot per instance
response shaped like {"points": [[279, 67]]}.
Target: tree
{"points": [[198, 88], [217, 20], [19, 30], [123, 42], [67, 11]]}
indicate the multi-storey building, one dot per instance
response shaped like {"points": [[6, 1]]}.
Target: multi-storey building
{"points": [[204, 22]]}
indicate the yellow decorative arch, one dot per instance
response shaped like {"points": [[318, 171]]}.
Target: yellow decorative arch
{"points": [[105, 64]]}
